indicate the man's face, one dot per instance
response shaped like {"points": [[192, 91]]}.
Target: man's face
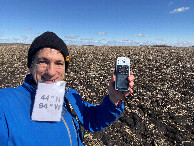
{"points": [[48, 66]]}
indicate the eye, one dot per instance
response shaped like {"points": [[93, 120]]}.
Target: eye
{"points": [[42, 62], [59, 63]]}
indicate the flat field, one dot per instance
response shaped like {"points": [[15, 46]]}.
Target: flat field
{"points": [[159, 112]]}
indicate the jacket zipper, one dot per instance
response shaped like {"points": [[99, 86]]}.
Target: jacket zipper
{"points": [[67, 130]]}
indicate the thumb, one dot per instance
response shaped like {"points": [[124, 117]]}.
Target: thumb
{"points": [[112, 81], [114, 78]]}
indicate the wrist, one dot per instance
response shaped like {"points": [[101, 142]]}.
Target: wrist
{"points": [[114, 100]]}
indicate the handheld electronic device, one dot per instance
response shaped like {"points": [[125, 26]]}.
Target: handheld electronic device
{"points": [[122, 72]]}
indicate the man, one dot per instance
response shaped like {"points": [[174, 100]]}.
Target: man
{"points": [[48, 60]]}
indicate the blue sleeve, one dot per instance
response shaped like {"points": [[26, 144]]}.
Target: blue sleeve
{"points": [[98, 117], [3, 129]]}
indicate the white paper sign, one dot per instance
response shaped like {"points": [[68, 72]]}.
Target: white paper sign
{"points": [[48, 102]]}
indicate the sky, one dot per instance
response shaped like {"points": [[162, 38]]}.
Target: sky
{"points": [[99, 22]]}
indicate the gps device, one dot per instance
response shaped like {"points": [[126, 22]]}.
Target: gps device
{"points": [[122, 72]]}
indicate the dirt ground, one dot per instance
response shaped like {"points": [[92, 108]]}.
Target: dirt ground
{"points": [[159, 112]]}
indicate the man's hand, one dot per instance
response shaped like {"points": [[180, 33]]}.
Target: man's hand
{"points": [[116, 96]]}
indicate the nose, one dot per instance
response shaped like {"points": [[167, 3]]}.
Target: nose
{"points": [[51, 71]]}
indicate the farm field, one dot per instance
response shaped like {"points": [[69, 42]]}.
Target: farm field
{"points": [[159, 112]]}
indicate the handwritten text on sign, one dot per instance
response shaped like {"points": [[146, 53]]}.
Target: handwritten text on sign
{"points": [[45, 105], [49, 101]]}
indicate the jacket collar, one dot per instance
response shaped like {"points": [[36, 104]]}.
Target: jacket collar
{"points": [[29, 83]]}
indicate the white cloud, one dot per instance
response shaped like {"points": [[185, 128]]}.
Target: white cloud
{"points": [[102, 42], [182, 43], [102, 33], [4, 40], [27, 28], [142, 35], [23, 39], [129, 43], [125, 39], [16, 40], [88, 38], [28, 37], [71, 36], [159, 39], [182, 9]]}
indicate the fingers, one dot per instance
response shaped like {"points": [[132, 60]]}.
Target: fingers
{"points": [[131, 77], [130, 90], [131, 84]]}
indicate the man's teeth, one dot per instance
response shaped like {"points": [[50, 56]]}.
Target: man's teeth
{"points": [[48, 80], [51, 80]]}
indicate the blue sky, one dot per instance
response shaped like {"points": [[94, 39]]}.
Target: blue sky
{"points": [[99, 22]]}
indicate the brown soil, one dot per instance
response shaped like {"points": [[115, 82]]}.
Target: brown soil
{"points": [[159, 112]]}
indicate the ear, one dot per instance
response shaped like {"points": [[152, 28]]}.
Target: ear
{"points": [[32, 67]]}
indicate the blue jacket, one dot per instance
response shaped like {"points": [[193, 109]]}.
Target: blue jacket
{"points": [[17, 128]]}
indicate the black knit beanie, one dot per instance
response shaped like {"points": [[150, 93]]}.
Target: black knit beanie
{"points": [[50, 40]]}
